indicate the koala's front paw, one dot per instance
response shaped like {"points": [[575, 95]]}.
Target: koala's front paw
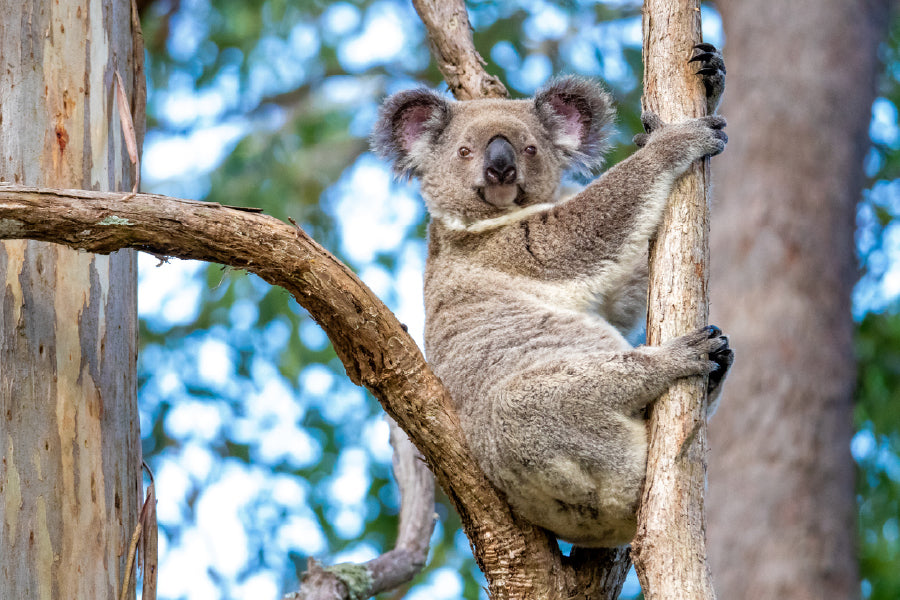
{"points": [[699, 352], [689, 140], [712, 70]]}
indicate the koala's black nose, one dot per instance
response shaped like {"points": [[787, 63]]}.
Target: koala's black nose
{"points": [[500, 162]]}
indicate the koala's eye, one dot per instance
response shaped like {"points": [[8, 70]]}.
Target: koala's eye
{"points": [[464, 152], [530, 150]]}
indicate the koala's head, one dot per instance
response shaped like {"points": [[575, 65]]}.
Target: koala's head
{"points": [[481, 159]]}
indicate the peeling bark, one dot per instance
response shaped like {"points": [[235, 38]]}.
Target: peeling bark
{"points": [[69, 440]]}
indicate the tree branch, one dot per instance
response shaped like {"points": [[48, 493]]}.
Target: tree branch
{"points": [[670, 547], [450, 38], [373, 346], [375, 349], [399, 565], [519, 560]]}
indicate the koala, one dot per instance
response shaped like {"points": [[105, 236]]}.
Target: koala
{"points": [[529, 297]]}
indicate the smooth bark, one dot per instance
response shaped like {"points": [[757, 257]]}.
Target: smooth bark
{"points": [[70, 472], [781, 494]]}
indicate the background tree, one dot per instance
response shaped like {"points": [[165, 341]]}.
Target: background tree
{"points": [[781, 498], [71, 456]]}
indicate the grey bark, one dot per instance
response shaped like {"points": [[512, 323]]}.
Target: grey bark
{"points": [[70, 487], [801, 79]]}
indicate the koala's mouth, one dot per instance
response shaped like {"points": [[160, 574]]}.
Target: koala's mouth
{"points": [[502, 196]]}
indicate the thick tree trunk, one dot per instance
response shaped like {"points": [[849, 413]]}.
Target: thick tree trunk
{"points": [[801, 78], [670, 547], [70, 487]]}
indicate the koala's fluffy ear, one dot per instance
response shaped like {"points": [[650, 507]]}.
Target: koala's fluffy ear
{"points": [[579, 115], [408, 123]]}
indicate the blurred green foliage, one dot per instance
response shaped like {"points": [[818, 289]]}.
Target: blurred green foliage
{"points": [[876, 446], [877, 451]]}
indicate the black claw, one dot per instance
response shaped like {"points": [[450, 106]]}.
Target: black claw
{"points": [[705, 47], [713, 331], [702, 56], [723, 359]]}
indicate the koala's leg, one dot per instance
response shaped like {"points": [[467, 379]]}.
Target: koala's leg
{"points": [[565, 458], [565, 440], [582, 389], [639, 376]]}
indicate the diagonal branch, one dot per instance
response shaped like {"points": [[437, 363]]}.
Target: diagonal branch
{"points": [[450, 38], [374, 347], [519, 560]]}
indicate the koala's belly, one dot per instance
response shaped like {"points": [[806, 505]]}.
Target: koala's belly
{"points": [[586, 509], [483, 342], [585, 525], [547, 481]]}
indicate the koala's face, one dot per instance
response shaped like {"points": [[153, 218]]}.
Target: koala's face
{"points": [[483, 158], [493, 156]]}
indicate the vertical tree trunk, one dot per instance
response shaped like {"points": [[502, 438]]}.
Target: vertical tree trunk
{"points": [[70, 485], [669, 550], [781, 500]]}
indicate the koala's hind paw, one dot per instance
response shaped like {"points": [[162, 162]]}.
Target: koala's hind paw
{"points": [[712, 70], [724, 358], [699, 352]]}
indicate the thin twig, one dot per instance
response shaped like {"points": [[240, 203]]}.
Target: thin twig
{"points": [[399, 565]]}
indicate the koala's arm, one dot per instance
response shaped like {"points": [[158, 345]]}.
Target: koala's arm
{"points": [[610, 222]]}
